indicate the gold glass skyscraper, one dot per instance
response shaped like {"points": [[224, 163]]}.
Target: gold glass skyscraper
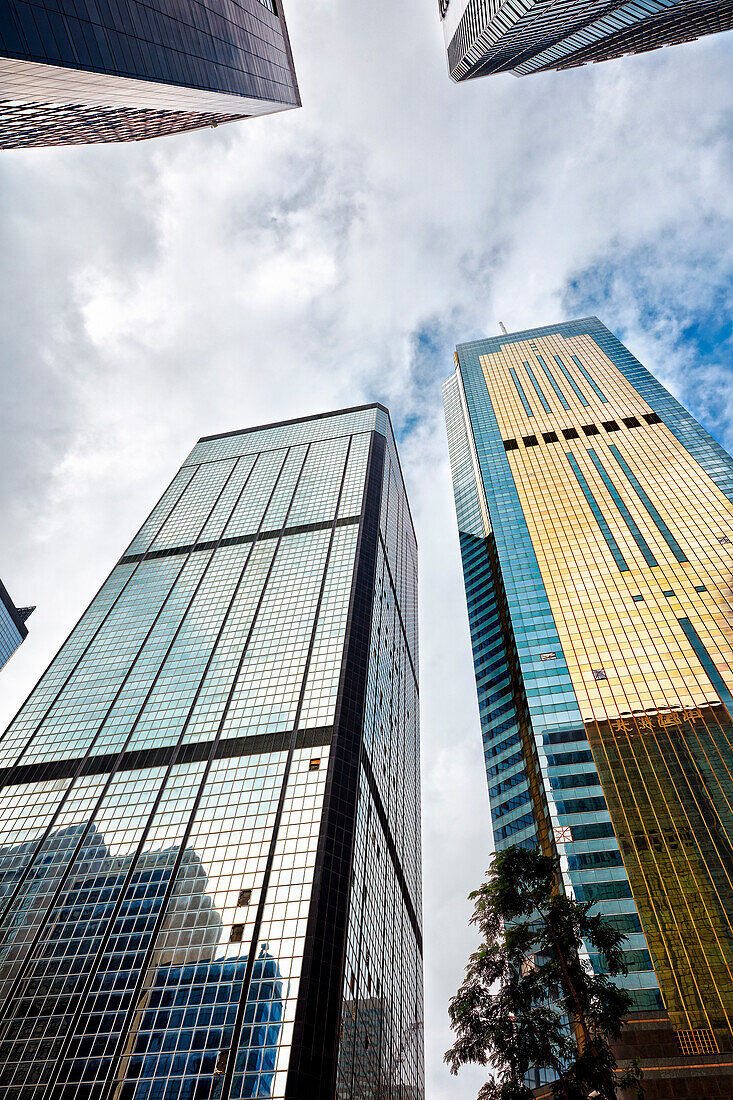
{"points": [[596, 525]]}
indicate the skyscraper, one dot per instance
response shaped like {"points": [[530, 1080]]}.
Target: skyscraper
{"points": [[528, 37], [596, 528], [210, 842], [12, 625], [78, 71]]}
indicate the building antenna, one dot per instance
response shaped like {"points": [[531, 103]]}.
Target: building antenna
{"points": [[501, 326]]}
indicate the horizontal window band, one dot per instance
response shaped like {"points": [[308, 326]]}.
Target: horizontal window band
{"points": [[238, 540], [572, 433], [230, 748], [516, 826]]}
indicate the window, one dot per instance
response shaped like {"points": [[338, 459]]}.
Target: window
{"points": [[699, 1041], [528, 965], [237, 933], [529, 440], [668, 592], [590, 429], [245, 897], [221, 1062], [638, 599], [550, 437], [611, 426], [314, 764], [510, 445], [570, 433], [700, 588], [599, 674], [652, 418], [631, 422]]}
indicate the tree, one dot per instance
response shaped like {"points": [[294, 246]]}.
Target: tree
{"points": [[529, 999]]}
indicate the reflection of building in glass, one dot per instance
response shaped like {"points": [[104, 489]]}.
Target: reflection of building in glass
{"points": [[596, 521], [191, 1059], [362, 1074], [210, 812], [12, 625], [107, 909], [79, 72], [524, 38]]}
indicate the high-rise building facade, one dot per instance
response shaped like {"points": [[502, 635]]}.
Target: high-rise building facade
{"points": [[13, 630], [78, 71], [483, 37], [210, 821], [596, 528]]}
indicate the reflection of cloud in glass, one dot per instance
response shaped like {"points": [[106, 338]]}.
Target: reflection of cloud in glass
{"points": [[186, 1015]]}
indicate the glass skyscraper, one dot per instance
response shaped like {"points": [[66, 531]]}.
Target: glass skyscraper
{"points": [[13, 630], [530, 36], [596, 528], [78, 71], [210, 820]]}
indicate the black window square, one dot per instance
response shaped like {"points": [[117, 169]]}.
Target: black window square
{"points": [[510, 445], [570, 433], [590, 429], [529, 440], [652, 418], [631, 422], [549, 437], [611, 426]]}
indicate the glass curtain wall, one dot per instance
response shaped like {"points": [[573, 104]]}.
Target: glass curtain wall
{"points": [[595, 518], [180, 797]]}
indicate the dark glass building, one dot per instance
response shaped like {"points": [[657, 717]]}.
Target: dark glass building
{"points": [[596, 527], [12, 625], [79, 71], [209, 820], [528, 37]]}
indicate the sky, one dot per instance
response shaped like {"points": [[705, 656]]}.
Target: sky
{"points": [[333, 255]]}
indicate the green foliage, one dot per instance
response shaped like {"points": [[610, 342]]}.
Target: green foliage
{"points": [[529, 999]]}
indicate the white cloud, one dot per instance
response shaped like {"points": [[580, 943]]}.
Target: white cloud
{"points": [[291, 264]]}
